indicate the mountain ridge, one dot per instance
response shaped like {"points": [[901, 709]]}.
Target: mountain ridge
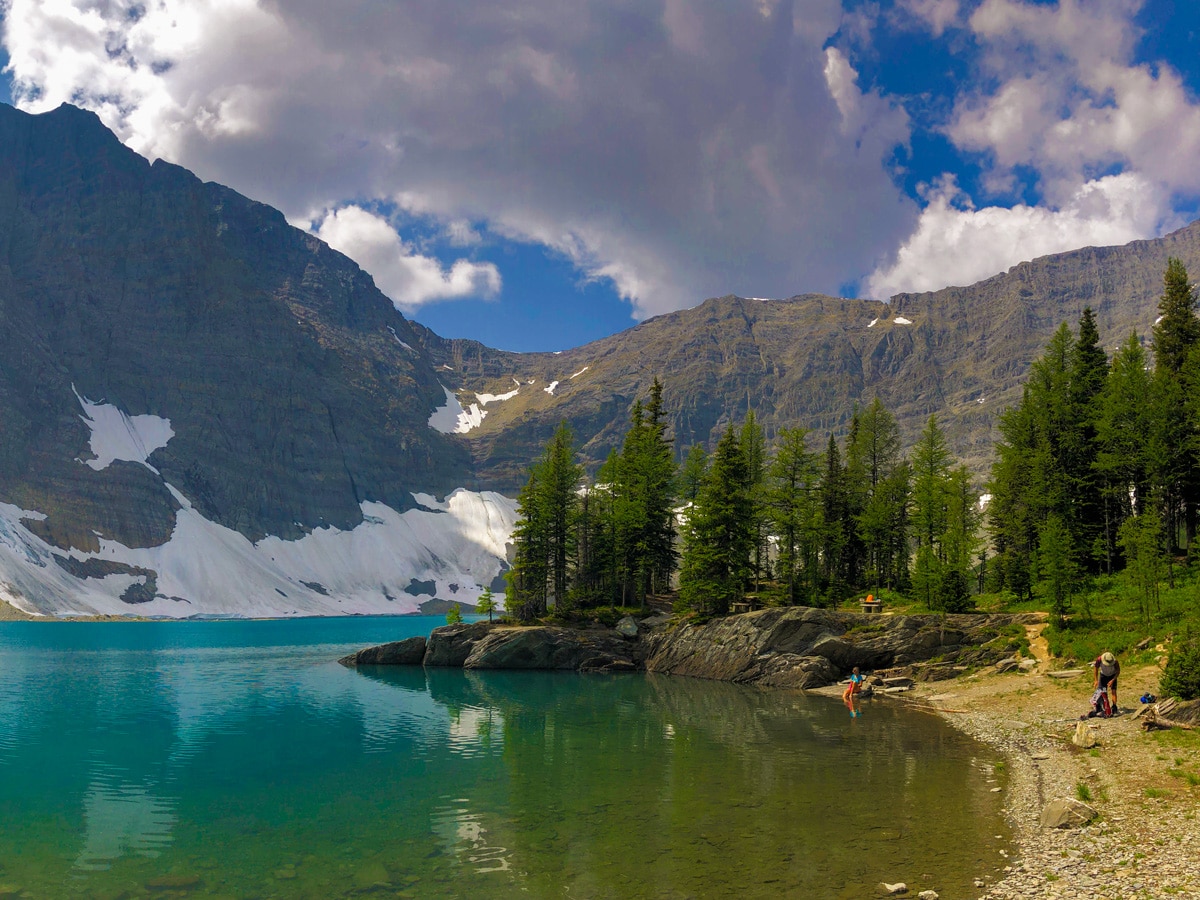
{"points": [[204, 410]]}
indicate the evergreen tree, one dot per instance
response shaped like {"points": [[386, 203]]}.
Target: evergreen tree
{"points": [[1031, 478], [837, 526], [1089, 372], [794, 506], [753, 446], [944, 522], [960, 541], [880, 477], [719, 535], [1123, 422], [1178, 329], [562, 476], [1056, 559], [1141, 541], [691, 474], [526, 592], [931, 468], [486, 604], [544, 535], [1176, 335], [659, 456], [645, 481]]}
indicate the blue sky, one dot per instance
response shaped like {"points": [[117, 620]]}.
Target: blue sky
{"points": [[535, 175]]}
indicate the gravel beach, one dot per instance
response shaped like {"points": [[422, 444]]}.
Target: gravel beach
{"points": [[1145, 786]]}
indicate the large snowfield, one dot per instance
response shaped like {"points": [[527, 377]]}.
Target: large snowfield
{"points": [[389, 564]]}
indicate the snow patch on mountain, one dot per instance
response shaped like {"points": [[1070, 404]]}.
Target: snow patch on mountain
{"points": [[550, 389], [117, 436], [581, 371], [874, 322], [206, 569], [400, 342], [900, 320], [452, 418], [485, 399]]}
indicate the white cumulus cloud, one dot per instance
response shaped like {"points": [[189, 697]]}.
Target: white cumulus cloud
{"points": [[958, 244], [1111, 143], [680, 149], [408, 278]]}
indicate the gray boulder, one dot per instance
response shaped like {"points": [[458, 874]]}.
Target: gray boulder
{"points": [[410, 652], [450, 645], [628, 627], [1066, 813], [551, 647]]}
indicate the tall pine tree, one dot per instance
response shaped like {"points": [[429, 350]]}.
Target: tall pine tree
{"points": [[794, 507], [719, 534]]}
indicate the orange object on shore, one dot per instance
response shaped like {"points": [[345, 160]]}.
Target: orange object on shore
{"points": [[870, 598]]}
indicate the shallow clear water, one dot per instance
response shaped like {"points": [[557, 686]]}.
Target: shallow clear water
{"points": [[237, 759]]}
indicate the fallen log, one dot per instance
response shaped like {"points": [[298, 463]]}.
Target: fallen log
{"points": [[1153, 721], [1155, 716]]}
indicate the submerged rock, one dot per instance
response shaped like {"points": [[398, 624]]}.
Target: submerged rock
{"points": [[173, 883]]}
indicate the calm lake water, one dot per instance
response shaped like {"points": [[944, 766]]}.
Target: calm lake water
{"points": [[238, 759]]}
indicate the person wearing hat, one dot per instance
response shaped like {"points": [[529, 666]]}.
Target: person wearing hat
{"points": [[1106, 670]]}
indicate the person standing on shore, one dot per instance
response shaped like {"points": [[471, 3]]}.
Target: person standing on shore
{"points": [[1106, 669], [852, 688]]}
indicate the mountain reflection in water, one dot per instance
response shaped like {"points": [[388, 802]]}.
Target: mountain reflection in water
{"points": [[232, 761]]}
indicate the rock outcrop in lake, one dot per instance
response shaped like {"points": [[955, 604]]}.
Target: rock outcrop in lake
{"points": [[803, 647], [783, 647]]}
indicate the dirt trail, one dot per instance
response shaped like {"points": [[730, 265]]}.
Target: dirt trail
{"points": [[1039, 647]]}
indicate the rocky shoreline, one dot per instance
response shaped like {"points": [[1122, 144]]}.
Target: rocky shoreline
{"points": [[1145, 841], [796, 647]]}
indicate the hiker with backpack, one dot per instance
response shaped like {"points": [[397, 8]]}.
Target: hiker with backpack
{"points": [[1105, 669]]}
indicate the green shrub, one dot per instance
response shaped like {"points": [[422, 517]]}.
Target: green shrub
{"points": [[1181, 678]]}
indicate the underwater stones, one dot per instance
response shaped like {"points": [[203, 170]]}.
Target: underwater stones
{"points": [[372, 875], [898, 888], [173, 883]]}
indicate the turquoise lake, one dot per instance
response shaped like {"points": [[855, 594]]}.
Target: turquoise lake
{"points": [[238, 759]]}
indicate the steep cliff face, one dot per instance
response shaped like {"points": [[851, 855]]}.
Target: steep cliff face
{"points": [[282, 370], [179, 366]]}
